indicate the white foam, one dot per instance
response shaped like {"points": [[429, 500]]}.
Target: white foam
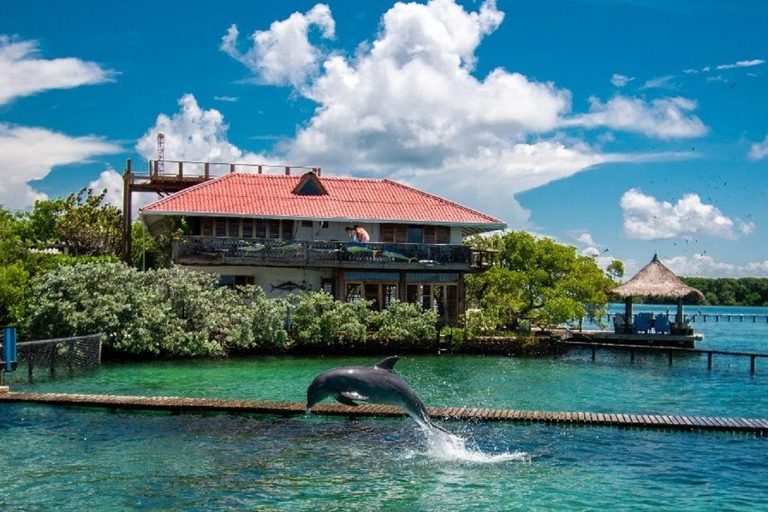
{"points": [[447, 447]]}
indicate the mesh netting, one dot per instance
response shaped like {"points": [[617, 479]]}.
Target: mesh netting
{"points": [[58, 355]]}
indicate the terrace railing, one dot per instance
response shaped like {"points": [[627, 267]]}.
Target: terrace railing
{"points": [[235, 251]]}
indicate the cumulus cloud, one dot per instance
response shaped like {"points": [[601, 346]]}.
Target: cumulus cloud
{"points": [[408, 105], [759, 150], [23, 72], [664, 118], [742, 64], [647, 218], [28, 154], [621, 80], [283, 54], [702, 265], [193, 134], [111, 181]]}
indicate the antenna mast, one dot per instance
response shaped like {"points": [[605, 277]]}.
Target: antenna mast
{"points": [[160, 165]]}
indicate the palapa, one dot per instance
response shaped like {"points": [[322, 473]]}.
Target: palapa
{"points": [[656, 280]]}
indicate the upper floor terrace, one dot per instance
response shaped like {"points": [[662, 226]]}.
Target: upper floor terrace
{"points": [[228, 251]]}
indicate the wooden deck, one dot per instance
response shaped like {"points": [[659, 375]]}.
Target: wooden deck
{"points": [[181, 405], [651, 339]]}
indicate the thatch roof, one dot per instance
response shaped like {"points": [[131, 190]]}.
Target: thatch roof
{"points": [[656, 280]]}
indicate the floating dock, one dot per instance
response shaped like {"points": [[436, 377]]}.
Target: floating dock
{"points": [[197, 405]]}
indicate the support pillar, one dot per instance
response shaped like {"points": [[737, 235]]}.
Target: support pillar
{"points": [[127, 207]]}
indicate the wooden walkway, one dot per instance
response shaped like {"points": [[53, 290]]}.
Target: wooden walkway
{"points": [[182, 405]]}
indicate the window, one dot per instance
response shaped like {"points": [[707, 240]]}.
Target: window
{"points": [[394, 233], [247, 228], [414, 234], [437, 235], [206, 227], [233, 225], [220, 227]]}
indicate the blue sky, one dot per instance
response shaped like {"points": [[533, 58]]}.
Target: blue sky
{"points": [[623, 127]]}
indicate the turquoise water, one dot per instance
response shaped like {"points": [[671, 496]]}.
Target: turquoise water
{"points": [[75, 459]]}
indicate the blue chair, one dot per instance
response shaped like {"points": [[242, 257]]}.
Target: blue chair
{"points": [[643, 322], [661, 324]]}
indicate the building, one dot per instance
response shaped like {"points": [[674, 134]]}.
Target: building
{"points": [[286, 233]]}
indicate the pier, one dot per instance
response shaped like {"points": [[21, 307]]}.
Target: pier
{"points": [[178, 405], [669, 351], [715, 317]]}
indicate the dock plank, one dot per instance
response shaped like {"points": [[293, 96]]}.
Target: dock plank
{"points": [[180, 404]]}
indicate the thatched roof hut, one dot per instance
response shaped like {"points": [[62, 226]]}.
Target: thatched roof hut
{"points": [[656, 280]]}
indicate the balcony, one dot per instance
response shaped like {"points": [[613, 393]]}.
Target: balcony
{"points": [[218, 251]]}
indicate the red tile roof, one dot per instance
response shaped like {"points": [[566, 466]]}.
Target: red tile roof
{"points": [[271, 196]]}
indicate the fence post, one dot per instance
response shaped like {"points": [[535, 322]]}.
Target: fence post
{"points": [[9, 349]]}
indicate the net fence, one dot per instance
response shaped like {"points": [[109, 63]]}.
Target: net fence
{"points": [[56, 356]]}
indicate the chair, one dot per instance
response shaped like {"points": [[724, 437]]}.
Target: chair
{"points": [[661, 324], [643, 322], [618, 323]]}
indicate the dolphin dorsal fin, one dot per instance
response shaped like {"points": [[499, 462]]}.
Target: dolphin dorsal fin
{"points": [[388, 363]]}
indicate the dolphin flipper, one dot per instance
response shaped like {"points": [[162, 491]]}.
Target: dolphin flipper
{"points": [[349, 397], [388, 363]]}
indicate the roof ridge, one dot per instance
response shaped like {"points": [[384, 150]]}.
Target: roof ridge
{"points": [[444, 200]]}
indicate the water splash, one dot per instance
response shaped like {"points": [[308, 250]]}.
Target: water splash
{"points": [[445, 446]]}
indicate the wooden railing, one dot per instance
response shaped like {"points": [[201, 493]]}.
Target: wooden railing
{"points": [[181, 170], [235, 251]]}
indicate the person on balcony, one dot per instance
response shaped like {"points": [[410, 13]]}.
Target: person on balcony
{"points": [[362, 234], [351, 233]]}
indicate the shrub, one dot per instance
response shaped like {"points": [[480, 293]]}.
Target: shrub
{"points": [[318, 319], [406, 322]]}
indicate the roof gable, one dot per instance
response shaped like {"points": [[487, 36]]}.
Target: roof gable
{"points": [[310, 185]]}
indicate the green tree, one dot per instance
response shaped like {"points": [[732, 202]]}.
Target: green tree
{"points": [[536, 281], [88, 226]]}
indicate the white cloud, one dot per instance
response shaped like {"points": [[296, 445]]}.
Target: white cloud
{"points": [[407, 105], [621, 80], [283, 54], [664, 82], [111, 181], [716, 78], [193, 134], [690, 71], [742, 64], [701, 265], [28, 154], [24, 73], [647, 218], [228, 99], [664, 118], [759, 150]]}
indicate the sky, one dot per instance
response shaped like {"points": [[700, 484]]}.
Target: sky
{"points": [[623, 127]]}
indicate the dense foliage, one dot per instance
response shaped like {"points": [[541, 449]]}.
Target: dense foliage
{"points": [[169, 312], [536, 282], [745, 291], [179, 313]]}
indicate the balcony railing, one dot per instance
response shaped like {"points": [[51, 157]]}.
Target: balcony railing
{"points": [[269, 252]]}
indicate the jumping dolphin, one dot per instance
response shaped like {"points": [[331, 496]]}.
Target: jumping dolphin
{"points": [[377, 384]]}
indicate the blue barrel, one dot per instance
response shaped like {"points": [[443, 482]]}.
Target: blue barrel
{"points": [[9, 348]]}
